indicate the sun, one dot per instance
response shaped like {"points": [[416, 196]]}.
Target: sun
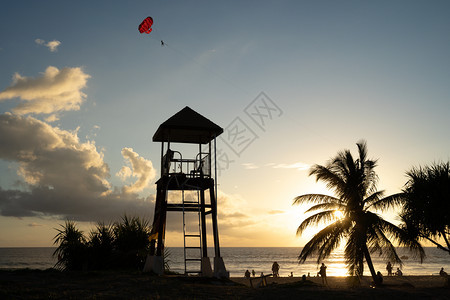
{"points": [[338, 214]]}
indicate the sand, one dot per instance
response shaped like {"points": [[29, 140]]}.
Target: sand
{"points": [[51, 284]]}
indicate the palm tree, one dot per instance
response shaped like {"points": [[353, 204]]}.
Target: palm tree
{"points": [[354, 184], [426, 210], [71, 250]]}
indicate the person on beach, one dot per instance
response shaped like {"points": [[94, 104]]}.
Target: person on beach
{"points": [[323, 273], [389, 268], [247, 274], [253, 273], [442, 273], [399, 272], [275, 269], [380, 277]]}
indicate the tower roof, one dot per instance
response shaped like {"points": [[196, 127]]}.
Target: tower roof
{"points": [[187, 126]]}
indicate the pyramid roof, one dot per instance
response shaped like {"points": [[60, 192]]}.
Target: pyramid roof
{"points": [[187, 126]]}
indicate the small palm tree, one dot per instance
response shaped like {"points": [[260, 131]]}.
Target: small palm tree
{"points": [[132, 239], [71, 250], [354, 184], [101, 246]]}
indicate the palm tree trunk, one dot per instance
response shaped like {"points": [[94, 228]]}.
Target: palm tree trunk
{"points": [[370, 265]]}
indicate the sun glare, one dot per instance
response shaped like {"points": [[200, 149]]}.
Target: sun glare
{"points": [[338, 214]]}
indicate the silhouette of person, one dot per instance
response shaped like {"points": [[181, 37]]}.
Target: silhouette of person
{"points": [[253, 273], [275, 269], [380, 277], [247, 274], [442, 273], [323, 273], [399, 272], [389, 268]]}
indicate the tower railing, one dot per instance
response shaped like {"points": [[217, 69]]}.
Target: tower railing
{"points": [[175, 164]]}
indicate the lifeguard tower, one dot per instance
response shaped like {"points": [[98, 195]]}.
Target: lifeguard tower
{"points": [[188, 179]]}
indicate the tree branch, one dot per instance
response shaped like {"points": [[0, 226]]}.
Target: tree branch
{"points": [[436, 243]]}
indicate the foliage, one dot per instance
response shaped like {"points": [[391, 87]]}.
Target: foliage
{"points": [[71, 248], [354, 182], [132, 240], [124, 244], [426, 210], [101, 246]]}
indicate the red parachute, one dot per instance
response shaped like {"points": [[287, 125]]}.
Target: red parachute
{"points": [[146, 25]]}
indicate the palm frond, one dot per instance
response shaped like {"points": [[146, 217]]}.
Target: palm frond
{"points": [[314, 198], [386, 202], [353, 252], [316, 219], [332, 180], [403, 239], [327, 206], [325, 241]]}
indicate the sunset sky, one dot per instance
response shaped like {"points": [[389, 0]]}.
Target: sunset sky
{"points": [[82, 93]]}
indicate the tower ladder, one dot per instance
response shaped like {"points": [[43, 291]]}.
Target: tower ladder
{"points": [[192, 262]]}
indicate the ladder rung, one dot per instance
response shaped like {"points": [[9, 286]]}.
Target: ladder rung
{"points": [[192, 247], [193, 272], [192, 235], [193, 259], [196, 202]]}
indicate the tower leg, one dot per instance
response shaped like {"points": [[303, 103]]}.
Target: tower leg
{"points": [[155, 263], [219, 266], [203, 225]]}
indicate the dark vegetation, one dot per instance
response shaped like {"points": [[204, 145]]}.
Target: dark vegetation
{"points": [[426, 205], [121, 245]]}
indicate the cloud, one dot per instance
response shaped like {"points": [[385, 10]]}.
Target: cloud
{"points": [[52, 45], [141, 168], [35, 225], [250, 166], [299, 166], [54, 91], [276, 212], [65, 177]]}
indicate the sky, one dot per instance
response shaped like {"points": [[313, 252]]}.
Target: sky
{"points": [[291, 82]]}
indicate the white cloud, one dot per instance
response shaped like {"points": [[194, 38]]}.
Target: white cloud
{"points": [[141, 168], [52, 45], [54, 91], [299, 166], [250, 166]]}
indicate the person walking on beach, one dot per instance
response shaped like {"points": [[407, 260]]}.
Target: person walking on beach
{"points": [[389, 268], [247, 274], [323, 274], [275, 269], [253, 273]]}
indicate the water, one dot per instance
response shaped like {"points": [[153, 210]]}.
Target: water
{"points": [[239, 259], [22, 258]]}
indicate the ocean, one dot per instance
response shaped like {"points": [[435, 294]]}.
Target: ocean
{"points": [[239, 259]]}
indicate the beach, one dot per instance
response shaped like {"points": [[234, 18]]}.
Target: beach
{"points": [[52, 284]]}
